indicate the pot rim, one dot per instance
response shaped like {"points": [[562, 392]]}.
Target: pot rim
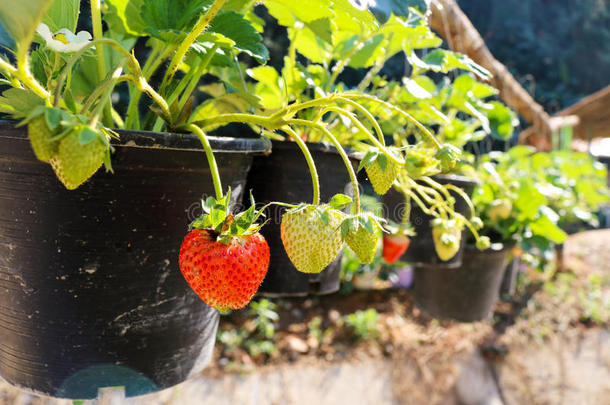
{"points": [[164, 140], [318, 147], [457, 179]]}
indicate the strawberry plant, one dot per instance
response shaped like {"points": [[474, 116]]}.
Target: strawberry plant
{"points": [[62, 84], [530, 198]]}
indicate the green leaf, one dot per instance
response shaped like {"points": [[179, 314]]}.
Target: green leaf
{"points": [[339, 201], [356, 20], [19, 102], [269, 87], [308, 44], [405, 36], [87, 135], [502, 119], [5, 39], [465, 88], [288, 12], [441, 60], [382, 9], [322, 28], [237, 102], [128, 12], [234, 26], [529, 199], [53, 117], [62, 14], [171, 20], [371, 51], [544, 227], [20, 18]]}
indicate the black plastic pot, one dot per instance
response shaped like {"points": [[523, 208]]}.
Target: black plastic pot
{"points": [[90, 291], [284, 176], [466, 293], [421, 250]]}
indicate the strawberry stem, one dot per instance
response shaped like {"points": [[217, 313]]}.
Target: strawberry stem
{"points": [[96, 23], [427, 134], [201, 25], [310, 163], [359, 124], [211, 159], [348, 164]]}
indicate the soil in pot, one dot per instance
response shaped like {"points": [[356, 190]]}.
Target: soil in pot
{"points": [[466, 293], [284, 176], [421, 250], [90, 291]]}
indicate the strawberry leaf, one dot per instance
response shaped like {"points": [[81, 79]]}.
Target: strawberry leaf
{"points": [[339, 201], [171, 20], [234, 26]]}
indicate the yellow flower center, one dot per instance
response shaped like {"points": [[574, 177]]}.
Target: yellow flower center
{"points": [[61, 38]]}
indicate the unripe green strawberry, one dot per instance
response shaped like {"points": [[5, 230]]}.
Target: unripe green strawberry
{"points": [[363, 243], [311, 236], [382, 180], [500, 209], [40, 134], [381, 170], [80, 154], [447, 236]]}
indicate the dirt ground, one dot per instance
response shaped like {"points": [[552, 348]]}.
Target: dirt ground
{"points": [[550, 344]]}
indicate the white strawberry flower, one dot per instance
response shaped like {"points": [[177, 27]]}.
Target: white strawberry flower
{"points": [[63, 40]]}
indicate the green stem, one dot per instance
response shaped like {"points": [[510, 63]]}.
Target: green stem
{"points": [[357, 122], [437, 186], [24, 74], [211, 159], [264, 207], [98, 33], [340, 66], [368, 115], [109, 82], [194, 80], [292, 54], [107, 87], [406, 215], [346, 161], [155, 59], [265, 122], [462, 194], [201, 25], [310, 163], [427, 134]]}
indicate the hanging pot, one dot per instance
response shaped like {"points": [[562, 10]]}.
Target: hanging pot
{"points": [[466, 293], [421, 251], [90, 291], [284, 176]]}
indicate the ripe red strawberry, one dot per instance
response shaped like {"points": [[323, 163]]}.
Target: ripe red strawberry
{"points": [[224, 275], [394, 246]]}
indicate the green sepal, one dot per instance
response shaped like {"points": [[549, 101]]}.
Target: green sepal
{"points": [[339, 201]]}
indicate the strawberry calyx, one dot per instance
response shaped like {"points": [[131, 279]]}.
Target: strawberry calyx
{"points": [[224, 226], [448, 156], [367, 220], [421, 162]]}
